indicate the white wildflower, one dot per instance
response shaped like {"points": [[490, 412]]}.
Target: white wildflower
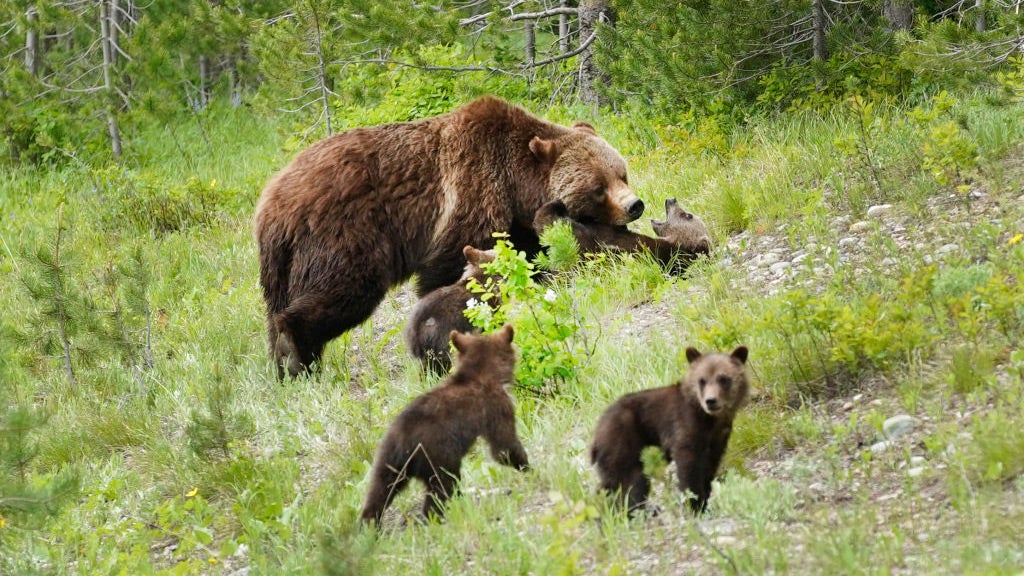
{"points": [[550, 295]]}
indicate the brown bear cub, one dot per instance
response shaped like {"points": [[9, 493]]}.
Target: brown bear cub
{"points": [[690, 421], [682, 237], [682, 228], [433, 433], [438, 313]]}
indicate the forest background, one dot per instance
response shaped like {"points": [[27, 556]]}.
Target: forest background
{"points": [[872, 146]]}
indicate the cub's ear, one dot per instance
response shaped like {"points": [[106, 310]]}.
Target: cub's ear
{"points": [[473, 256], [458, 340], [585, 127], [692, 354], [506, 333], [544, 150], [740, 354]]}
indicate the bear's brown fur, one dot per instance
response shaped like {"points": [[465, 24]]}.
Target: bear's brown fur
{"points": [[682, 236], [438, 313], [690, 421], [433, 433], [365, 209]]}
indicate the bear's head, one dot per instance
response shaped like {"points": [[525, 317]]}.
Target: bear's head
{"points": [[589, 176], [485, 357], [475, 259], [682, 228], [718, 380]]}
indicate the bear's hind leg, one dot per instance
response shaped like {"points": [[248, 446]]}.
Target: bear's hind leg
{"points": [[314, 319]]}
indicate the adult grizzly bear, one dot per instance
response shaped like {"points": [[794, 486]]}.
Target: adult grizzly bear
{"points": [[690, 421], [435, 431], [681, 237], [443, 310], [363, 210]]}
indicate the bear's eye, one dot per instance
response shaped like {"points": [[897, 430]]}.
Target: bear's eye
{"points": [[724, 381], [598, 192], [703, 382]]}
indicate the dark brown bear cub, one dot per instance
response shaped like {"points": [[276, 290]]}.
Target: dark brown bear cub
{"points": [[432, 434], [690, 421], [438, 313]]}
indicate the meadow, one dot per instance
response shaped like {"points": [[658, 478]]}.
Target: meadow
{"points": [[145, 431]]}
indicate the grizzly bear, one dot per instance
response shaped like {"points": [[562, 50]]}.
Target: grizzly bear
{"points": [[433, 433], [365, 209], [682, 236], [438, 313], [690, 421]]}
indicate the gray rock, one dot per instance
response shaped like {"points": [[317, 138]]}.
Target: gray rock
{"points": [[861, 226], [898, 426], [847, 242], [779, 267], [946, 249], [915, 471], [879, 210], [879, 447]]}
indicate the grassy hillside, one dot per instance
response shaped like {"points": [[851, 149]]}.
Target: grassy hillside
{"points": [[869, 257]]}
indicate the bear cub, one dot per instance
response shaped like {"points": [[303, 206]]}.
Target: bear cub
{"points": [[690, 421], [683, 228], [681, 237], [435, 431], [441, 311]]}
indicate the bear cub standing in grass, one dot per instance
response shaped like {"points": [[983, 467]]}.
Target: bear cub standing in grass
{"points": [[433, 433], [438, 313], [690, 421]]}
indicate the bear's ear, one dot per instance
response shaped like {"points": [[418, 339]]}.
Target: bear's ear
{"points": [[458, 340], [692, 354], [585, 127], [544, 150], [506, 333], [740, 354]]}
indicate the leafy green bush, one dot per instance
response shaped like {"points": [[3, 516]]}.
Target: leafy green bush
{"points": [[546, 320]]}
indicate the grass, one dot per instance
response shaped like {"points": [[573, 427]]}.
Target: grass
{"points": [[207, 465]]}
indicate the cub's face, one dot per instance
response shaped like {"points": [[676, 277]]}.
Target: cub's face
{"points": [[719, 380], [589, 176], [680, 226]]}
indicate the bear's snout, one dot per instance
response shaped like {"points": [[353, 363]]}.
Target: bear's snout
{"points": [[712, 405], [635, 209]]}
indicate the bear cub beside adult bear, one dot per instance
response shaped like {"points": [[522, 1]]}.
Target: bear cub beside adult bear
{"points": [[433, 433], [681, 237], [438, 313], [690, 421]]}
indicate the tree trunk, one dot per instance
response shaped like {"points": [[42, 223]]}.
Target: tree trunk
{"points": [[321, 70], [979, 24], [108, 81], [591, 12], [32, 42], [820, 25], [900, 14], [204, 81], [563, 28], [531, 54]]}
